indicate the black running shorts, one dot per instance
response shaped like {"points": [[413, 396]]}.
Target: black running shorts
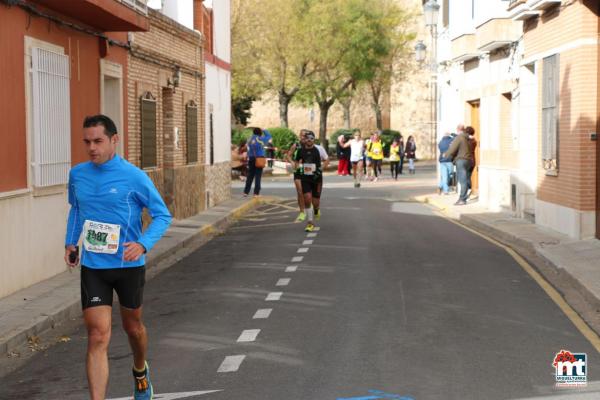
{"points": [[312, 186], [97, 286]]}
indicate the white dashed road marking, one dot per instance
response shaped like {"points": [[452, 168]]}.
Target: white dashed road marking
{"points": [[317, 228], [174, 396], [307, 242], [231, 363], [274, 296], [283, 282], [311, 235], [262, 313], [249, 335], [297, 259], [303, 250], [291, 268]]}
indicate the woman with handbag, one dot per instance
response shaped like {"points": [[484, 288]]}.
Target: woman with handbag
{"points": [[256, 162]]}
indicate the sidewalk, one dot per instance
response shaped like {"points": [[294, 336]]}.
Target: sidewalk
{"points": [[38, 308], [572, 261]]}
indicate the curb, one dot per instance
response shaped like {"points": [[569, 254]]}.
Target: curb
{"points": [[156, 263]]}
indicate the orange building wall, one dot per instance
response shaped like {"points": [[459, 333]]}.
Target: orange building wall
{"points": [[574, 187], [84, 52]]}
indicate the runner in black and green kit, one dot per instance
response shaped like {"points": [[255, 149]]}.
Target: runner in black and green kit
{"points": [[294, 150], [308, 160]]}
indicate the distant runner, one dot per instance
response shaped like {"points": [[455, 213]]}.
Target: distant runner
{"points": [[357, 146], [298, 175], [308, 159]]}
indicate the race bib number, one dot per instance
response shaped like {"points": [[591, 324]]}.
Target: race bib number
{"points": [[99, 237], [309, 169], [376, 151]]}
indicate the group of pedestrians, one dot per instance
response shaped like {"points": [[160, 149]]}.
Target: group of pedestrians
{"points": [[458, 150]]}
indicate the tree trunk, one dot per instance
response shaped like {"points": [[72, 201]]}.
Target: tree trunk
{"points": [[346, 106], [378, 116], [284, 102], [324, 107]]}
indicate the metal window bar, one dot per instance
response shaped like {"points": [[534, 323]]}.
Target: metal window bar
{"points": [[51, 118]]}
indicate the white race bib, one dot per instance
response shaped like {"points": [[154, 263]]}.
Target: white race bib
{"points": [[309, 169], [100, 237]]}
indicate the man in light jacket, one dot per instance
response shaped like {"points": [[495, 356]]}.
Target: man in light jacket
{"points": [[460, 153]]}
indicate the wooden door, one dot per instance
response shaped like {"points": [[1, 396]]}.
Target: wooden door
{"points": [[475, 124]]}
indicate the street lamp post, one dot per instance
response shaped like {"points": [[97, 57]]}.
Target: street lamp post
{"points": [[431, 11]]}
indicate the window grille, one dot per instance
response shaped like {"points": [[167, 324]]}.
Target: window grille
{"points": [[148, 120], [191, 128], [51, 117], [550, 100]]}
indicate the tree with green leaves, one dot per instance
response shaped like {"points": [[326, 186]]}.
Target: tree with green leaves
{"points": [[393, 65], [270, 53], [350, 38]]}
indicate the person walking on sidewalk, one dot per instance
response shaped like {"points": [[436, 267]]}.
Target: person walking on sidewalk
{"points": [[107, 195], [256, 162], [401, 151], [308, 159], [460, 152], [445, 164], [410, 151], [395, 157], [357, 152], [472, 146]]}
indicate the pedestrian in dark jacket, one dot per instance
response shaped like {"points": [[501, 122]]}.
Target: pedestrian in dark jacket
{"points": [[460, 153], [445, 163], [410, 151]]}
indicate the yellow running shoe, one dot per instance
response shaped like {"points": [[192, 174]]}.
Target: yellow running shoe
{"points": [[309, 227], [301, 217], [318, 215]]}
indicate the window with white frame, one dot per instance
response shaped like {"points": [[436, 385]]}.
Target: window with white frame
{"points": [[550, 93], [50, 117]]}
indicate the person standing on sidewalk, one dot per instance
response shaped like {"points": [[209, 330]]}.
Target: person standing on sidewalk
{"points": [[460, 152], [256, 162], [445, 164], [472, 146], [107, 196], [401, 143], [343, 155], [410, 151]]}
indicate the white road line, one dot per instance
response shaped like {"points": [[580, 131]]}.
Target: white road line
{"points": [[291, 268], [283, 282], [263, 313], [303, 250], [311, 235], [297, 259], [317, 228], [231, 363], [249, 335], [274, 296], [307, 243]]}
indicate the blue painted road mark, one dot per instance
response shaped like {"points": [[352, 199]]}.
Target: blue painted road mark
{"points": [[377, 395]]}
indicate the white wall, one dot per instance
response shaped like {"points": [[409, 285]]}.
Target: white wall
{"points": [[218, 84], [181, 11], [218, 94]]}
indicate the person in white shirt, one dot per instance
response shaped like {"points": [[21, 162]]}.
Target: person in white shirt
{"points": [[357, 146]]}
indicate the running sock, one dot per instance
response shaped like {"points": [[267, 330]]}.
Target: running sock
{"points": [[309, 214], [139, 373]]}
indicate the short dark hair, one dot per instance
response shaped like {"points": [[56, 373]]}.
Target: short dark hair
{"points": [[257, 131], [469, 130], [110, 129]]}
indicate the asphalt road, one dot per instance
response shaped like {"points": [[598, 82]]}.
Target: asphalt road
{"points": [[388, 300]]}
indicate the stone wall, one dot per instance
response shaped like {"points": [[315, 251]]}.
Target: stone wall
{"points": [[218, 183], [186, 183]]}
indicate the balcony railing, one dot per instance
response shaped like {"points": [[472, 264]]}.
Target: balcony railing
{"points": [[140, 6]]}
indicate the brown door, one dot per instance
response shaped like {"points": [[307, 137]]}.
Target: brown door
{"points": [[475, 124], [598, 139]]}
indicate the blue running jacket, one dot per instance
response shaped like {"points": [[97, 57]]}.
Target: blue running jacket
{"points": [[114, 193]]}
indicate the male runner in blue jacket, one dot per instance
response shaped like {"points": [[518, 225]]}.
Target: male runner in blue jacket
{"points": [[107, 196]]}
